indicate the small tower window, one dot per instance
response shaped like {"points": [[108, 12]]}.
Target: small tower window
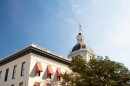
{"points": [[80, 39]]}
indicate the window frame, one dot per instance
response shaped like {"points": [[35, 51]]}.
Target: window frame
{"points": [[38, 73], [59, 78], [6, 74], [14, 72], [23, 69], [21, 83], [49, 76], [0, 74]]}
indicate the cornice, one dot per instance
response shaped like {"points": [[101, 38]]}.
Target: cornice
{"points": [[36, 50]]}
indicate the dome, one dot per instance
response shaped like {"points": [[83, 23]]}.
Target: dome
{"points": [[79, 46]]}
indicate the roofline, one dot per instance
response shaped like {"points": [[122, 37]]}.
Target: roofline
{"points": [[33, 48]]}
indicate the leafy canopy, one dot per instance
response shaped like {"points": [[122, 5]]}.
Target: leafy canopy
{"points": [[97, 72]]}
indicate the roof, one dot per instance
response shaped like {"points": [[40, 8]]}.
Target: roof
{"points": [[33, 48], [79, 46], [82, 46]]}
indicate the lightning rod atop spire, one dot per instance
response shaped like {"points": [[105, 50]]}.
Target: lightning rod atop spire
{"points": [[80, 28]]}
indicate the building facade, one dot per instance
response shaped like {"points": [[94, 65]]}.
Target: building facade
{"points": [[32, 66]]}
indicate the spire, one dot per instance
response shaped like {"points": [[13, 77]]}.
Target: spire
{"points": [[80, 28]]}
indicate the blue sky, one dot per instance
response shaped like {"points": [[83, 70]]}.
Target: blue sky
{"points": [[54, 25]]}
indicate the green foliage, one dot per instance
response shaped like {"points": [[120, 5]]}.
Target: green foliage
{"points": [[97, 72]]}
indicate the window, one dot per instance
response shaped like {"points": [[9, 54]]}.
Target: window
{"points": [[38, 68], [80, 39], [49, 72], [23, 69], [36, 84], [14, 72], [0, 74], [48, 84], [49, 76], [58, 78], [6, 74], [58, 73], [21, 84], [38, 73]]}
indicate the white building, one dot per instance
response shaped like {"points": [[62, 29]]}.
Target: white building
{"points": [[36, 66], [32, 66]]}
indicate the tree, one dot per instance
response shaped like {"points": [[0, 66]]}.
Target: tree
{"points": [[97, 72]]}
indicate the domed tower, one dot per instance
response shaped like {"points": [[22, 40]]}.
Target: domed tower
{"points": [[81, 49]]}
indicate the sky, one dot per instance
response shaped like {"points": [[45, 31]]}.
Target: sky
{"points": [[54, 25]]}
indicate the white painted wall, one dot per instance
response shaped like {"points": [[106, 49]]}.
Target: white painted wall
{"points": [[29, 79], [43, 77], [18, 78]]}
